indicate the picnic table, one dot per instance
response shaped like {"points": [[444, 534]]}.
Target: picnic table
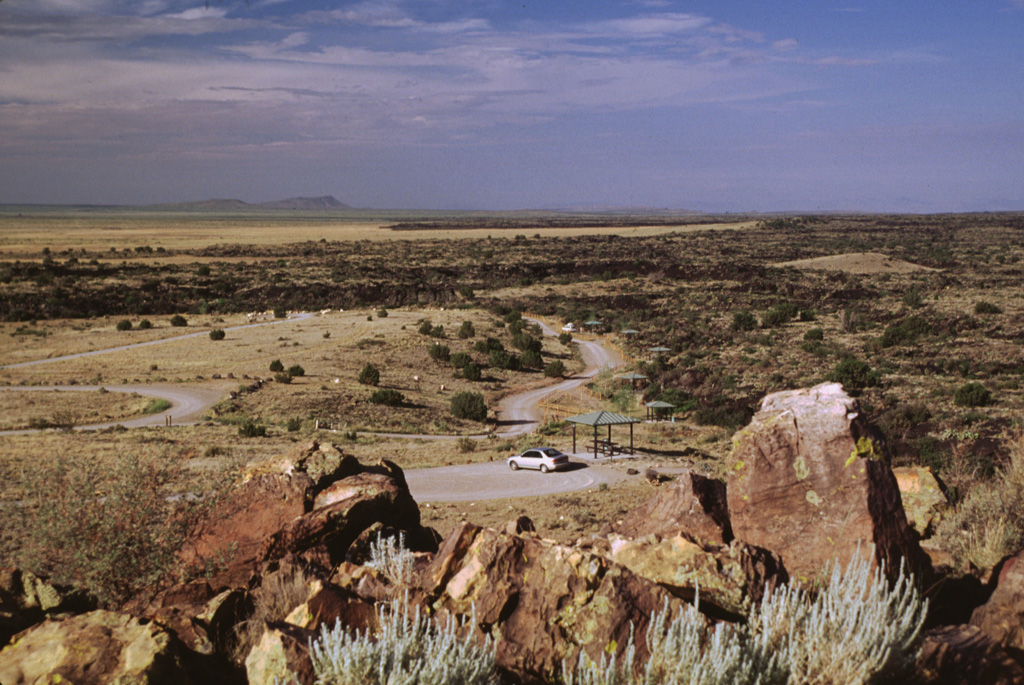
{"points": [[607, 447]]}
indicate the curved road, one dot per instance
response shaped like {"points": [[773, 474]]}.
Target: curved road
{"points": [[519, 414]]}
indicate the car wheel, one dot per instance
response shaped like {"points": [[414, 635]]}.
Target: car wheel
{"points": [[543, 468], [514, 466]]}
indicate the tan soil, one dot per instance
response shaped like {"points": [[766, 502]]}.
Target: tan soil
{"points": [[858, 263]]}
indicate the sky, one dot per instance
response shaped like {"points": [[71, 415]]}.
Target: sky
{"points": [[706, 105]]}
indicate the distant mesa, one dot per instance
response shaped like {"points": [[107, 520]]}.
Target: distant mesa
{"points": [[228, 205]]}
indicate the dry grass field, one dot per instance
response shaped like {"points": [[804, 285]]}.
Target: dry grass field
{"points": [[21, 410]]}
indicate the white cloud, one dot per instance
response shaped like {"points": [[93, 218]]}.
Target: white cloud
{"points": [[197, 13]]}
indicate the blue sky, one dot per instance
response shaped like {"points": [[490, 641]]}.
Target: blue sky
{"points": [[486, 104]]}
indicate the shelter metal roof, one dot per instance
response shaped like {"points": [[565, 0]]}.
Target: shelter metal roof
{"points": [[630, 331], [631, 376], [594, 322], [658, 349], [602, 418], [658, 404]]}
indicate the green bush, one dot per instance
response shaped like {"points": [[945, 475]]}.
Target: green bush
{"points": [[555, 369], [854, 375], [565, 338], [983, 307], [460, 359], [295, 370], [906, 331], [124, 325], [466, 330], [203, 270], [178, 321], [217, 334], [525, 341], [145, 325], [276, 365], [469, 405], [912, 298], [471, 372], [501, 359], [532, 359], [388, 397], [512, 316], [743, 321], [488, 345], [294, 424], [778, 315], [972, 395], [251, 429], [439, 352], [282, 377], [280, 313], [437, 331], [369, 375], [426, 327], [814, 334], [382, 313]]}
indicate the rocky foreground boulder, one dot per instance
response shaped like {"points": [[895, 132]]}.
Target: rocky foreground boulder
{"points": [[543, 602], [1002, 617], [693, 504], [808, 479]]}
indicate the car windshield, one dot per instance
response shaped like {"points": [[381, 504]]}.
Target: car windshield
{"points": [[551, 452]]}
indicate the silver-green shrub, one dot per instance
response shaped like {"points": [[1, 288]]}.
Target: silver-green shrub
{"points": [[392, 559], [857, 629], [409, 649]]}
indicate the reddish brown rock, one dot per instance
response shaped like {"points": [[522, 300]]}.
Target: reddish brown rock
{"points": [[808, 481], [544, 602], [341, 513], [327, 603], [958, 654], [239, 526], [923, 498], [1002, 617], [692, 504], [95, 648]]}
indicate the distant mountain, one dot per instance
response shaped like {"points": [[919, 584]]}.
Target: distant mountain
{"points": [[223, 205], [323, 202]]}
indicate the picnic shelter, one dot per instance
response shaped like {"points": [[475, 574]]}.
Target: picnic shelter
{"points": [[603, 418]]}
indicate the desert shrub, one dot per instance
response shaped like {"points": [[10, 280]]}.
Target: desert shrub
{"points": [[555, 369], [512, 316], [382, 313], [524, 341], [779, 314], [251, 429], [813, 334], [282, 377], [294, 424], [389, 397], [983, 307], [906, 331], [460, 359], [390, 557], [145, 325], [466, 330], [124, 325], [203, 270], [111, 530], [296, 371], [439, 352], [276, 366], [466, 444], [488, 345], [565, 338], [275, 598], [532, 359], [859, 628], [469, 405], [501, 359], [972, 395], [217, 334], [722, 415], [986, 526], [280, 313], [854, 375], [425, 328], [157, 405], [808, 315], [408, 648], [912, 298], [437, 331], [743, 321], [472, 372], [516, 326], [178, 321], [369, 375]]}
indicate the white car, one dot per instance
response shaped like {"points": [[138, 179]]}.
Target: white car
{"points": [[569, 327], [543, 459]]}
